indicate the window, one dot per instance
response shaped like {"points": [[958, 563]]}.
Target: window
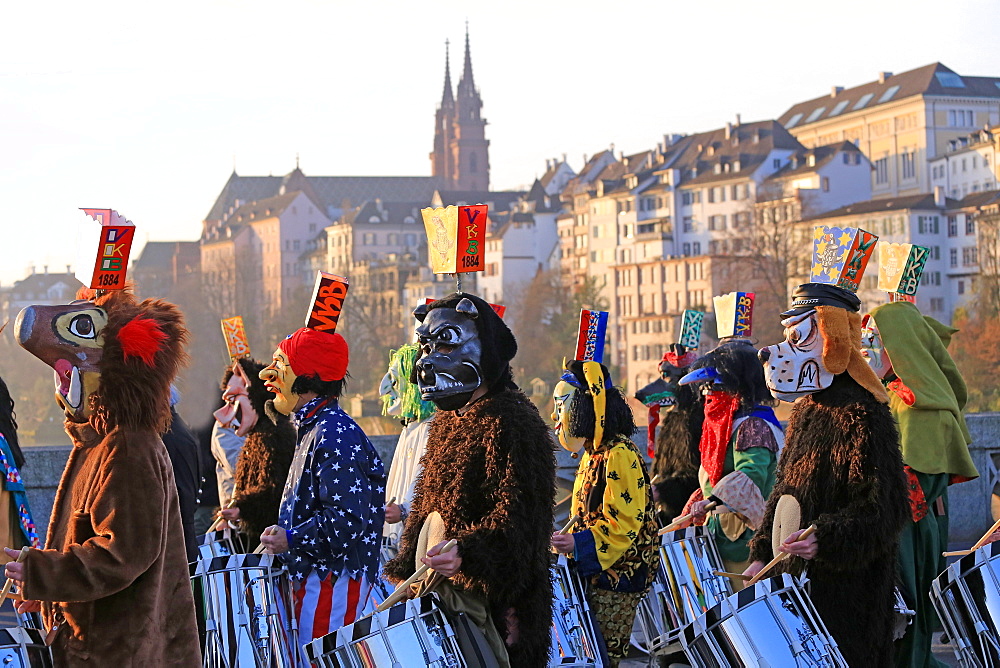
{"points": [[688, 224], [686, 249], [696, 248], [953, 258], [815, 114], [909, 159], [776, 163], [961, 287], [949, 80], [686, 198], [863, 101], [970, 256], [886, 96], [952, 226], [937, 304], [368, 239], [473, 163], [839, 108], [735, 193], [961, 118], [970, 225], [882, 171], [928, 224], [826, 184], [793, 121], [711, 195], [717, 223]]}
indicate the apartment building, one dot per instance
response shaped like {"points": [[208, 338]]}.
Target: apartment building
{"points": [[901, 122], [969, 165]]}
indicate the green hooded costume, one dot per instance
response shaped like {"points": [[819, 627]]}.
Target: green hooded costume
{"points": [[926, 398]]}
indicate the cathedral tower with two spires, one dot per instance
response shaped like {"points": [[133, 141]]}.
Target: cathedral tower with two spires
{"points": [[461, 151]]}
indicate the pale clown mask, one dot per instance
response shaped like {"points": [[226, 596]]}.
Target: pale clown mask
{"points": [[794, 368], [563, 397], [390, 389], [449, 369], [873, 349], [278, 379], [238, 413], [70, 339]]}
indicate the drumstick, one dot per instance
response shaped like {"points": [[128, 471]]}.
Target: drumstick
{"points": [[10, 583], [569, 525], [684, 518], [724, 574], [220, 518], [391, 501], [260, 548], [399, 593], [979, 543], [781, 555]]}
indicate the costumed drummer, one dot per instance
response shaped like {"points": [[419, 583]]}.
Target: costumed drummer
{"points": [[841, 469], [489, 476], [614, 544], [113, 582], [401, 398], [675, 414], [740, 432], [331, 514], [266, 456], [909, 353]]}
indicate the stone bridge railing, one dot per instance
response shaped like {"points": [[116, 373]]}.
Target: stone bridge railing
{"points": [[972, 503]]}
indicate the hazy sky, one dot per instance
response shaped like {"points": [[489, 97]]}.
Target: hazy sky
{"points": [[143, 108]]}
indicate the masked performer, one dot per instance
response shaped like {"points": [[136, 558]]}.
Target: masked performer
{"points": [[114, 578], [740, 432], [226, 442], [401, 398], [615, 543], [331, 514], [676, 413], [262, 467], [926, 397], [841, 465], [489, 471], [18, 526]]}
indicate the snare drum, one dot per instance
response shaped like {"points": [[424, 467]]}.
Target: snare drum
{"points": [[967, 599], [684, 587], [575, 640], [412, 633], [221, 543], [773, 623], [247, 608], [24, 648]]}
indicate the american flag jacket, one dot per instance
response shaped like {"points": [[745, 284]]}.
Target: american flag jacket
{"points": [[332, 508]]}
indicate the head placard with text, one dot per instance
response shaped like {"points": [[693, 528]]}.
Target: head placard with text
{"points": [[110, 240], [456, 238]]}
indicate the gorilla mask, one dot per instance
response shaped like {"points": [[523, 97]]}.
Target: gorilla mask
{"points": [[449, 370]]}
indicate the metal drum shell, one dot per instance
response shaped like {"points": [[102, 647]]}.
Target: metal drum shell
{"points": [[966, 596], [411, 633], [771, 623], [575, 636], [684, 587], [221, 543], [248, 612], [25, 647]]}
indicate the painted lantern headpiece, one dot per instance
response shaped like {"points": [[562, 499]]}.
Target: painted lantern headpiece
{"points": [[589, 355]]}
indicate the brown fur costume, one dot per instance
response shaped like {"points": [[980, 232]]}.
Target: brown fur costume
{"points": [[115, 565], [263, 462], [675, 467], [490, 472], [842, 463]]}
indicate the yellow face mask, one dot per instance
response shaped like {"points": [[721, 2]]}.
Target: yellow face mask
{"points": [[563, 397]]}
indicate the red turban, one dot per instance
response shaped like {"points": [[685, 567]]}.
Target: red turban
{"points": [[313, 353]]}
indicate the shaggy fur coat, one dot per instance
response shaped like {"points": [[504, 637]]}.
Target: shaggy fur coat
{"points": [[114, 564], [675, 467], [491, 474], [842, 463], [261, 471]]}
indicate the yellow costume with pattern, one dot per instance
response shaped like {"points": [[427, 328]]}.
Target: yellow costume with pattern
{"points": [[615, 543]]}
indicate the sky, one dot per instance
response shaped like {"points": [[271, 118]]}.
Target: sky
{"points": [[147, 107]]}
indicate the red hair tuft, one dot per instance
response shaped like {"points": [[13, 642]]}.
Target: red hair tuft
{"points": [[141, 338]]}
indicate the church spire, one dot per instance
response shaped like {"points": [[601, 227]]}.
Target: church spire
{"points": [[447, 99], [466, 84]]}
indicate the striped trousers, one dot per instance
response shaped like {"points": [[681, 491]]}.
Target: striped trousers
{"points": [[324, 605]]}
